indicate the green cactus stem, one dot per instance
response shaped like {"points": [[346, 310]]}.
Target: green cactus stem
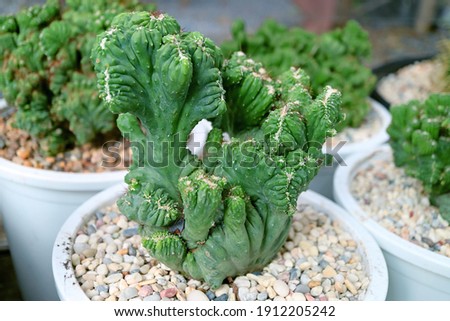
{"points": [[420, 140], [47, 74], [335, 58], [228, 212]]}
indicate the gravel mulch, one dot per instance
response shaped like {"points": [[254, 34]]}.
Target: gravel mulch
{"points": [[319, 262], [399, 203]]}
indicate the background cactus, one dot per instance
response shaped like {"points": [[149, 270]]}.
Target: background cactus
{"points": [[46, 71], [420, 139], [335, 58], [227, 212]]}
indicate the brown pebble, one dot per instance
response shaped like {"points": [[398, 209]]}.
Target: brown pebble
{"points": [[313, 284], [23, 153], [122, 251]]}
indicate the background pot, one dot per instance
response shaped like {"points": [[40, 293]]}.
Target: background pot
{"points": [[415, 273], [390, 68], [35, 203], [69, 289], [3, 239], [323, 182]]}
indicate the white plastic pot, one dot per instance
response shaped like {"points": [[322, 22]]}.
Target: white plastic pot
{"points": [[69, 289], [323, 182], [3, 239], [415, 273], [35, 203]]}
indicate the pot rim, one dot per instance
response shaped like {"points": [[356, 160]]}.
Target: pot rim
{"points": [[68, 287], [388, 241]]}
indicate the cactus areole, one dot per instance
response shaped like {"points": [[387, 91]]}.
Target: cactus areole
{"points": [[227, 212]]}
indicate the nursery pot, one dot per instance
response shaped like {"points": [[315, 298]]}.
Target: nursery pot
{"points": [[323, 182], [35, 203], [3, 239], [415, 273], [69, 289]]}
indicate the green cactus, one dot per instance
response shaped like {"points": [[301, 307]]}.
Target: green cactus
{"points": [[227, 212], [47, 74], [420, 139], [335, 58]]}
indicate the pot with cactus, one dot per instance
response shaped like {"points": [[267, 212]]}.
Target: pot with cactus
{"points": [[52, 132], [223, 151], [336, 58], [401, 193]]}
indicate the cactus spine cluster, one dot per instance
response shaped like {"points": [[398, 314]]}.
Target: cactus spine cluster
{"points": [[420, 139], [334, 58], [47, 74], [229, 211]]}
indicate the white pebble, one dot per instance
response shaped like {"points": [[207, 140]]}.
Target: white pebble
{"points": [[196, 295], [281, 288]]}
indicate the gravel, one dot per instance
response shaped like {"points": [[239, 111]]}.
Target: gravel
{"points": [[400, 204], [310, 266]]}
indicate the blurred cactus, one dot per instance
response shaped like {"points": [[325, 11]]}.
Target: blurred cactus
{"points": [[335, 58], [420, 139], [229, 211], [46, 72]]}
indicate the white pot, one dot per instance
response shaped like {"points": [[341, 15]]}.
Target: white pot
{"points": [[35, 203], [3, 239], [415, 273], [69, 289], [323, 182]]}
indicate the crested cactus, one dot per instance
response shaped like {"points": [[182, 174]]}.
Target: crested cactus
{"points": [[335, 58], [227, 212], [47, 74], [420, 139]]}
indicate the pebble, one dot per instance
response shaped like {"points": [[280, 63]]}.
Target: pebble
{"points": [[242, 282], [329, 272], [298, 297], [129, 293], [144, 291], [169, 293], [210, 294], [197, 295], [79, 248], [316, 291], [262, 296], [302, 288], [153, 297], [129, 232], [315, 269], [223, 289], [113, 278], [223, 297]]}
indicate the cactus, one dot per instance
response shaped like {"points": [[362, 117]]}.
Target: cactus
{"points": [[227, 212], [47, 74], [335, 58], [420, 140]]}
